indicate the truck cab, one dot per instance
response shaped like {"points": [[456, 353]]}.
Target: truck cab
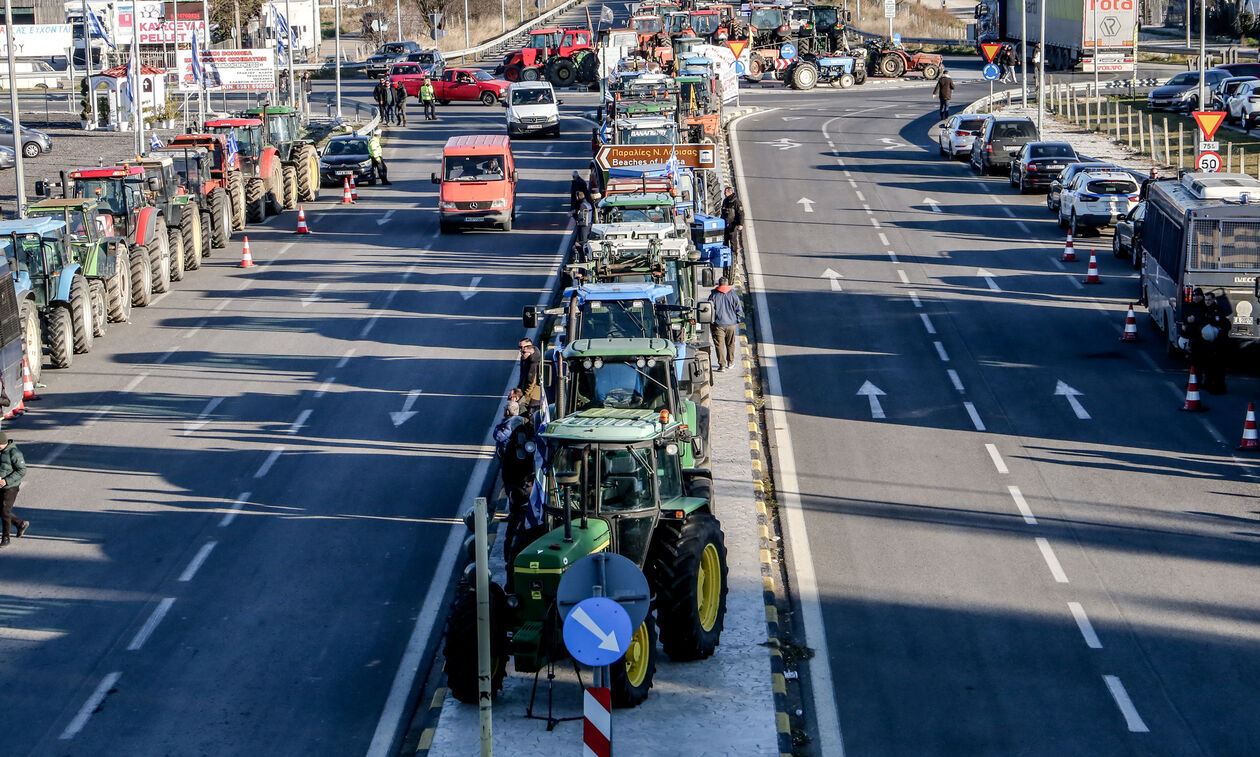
{"points": [[477, 183]]}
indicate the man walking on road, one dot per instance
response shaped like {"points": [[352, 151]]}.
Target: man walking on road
{"points": [[728, 311], [944, 90], [378, 158], [12, 471], [427, 98]]}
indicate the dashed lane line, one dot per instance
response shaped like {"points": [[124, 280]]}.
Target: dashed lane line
{"points": [[323, 388], [1022, 505], [927, 323], [956, 381], [940, 351], [270, 461], [1052, 562], [132, 384], [1131, 717], [883, 239], [345, 358], [151, 624], [195, 564], [166, 356], [299, 422], [1087, 628], [902, 275], [90, 706], [996, 456], [975, 416], [235, 509], [914, 297]]}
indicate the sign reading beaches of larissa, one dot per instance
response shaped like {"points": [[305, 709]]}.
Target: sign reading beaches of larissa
{"points": [[231, 70], [619, 156]]}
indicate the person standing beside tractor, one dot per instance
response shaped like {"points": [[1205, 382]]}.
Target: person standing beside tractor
{"points": [[427, 98], [733, 218]]}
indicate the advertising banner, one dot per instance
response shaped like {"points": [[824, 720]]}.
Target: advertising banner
{"points": [[37, 40], [230, 70]]}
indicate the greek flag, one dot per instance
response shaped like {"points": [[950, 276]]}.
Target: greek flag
{"points": [[232, 149], [606, 14], [155, 143], [534, 515], [97, 29], [199, 75], [282, 35]]}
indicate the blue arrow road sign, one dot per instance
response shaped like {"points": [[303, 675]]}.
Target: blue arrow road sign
{"points": [[896, 38], [597, 632], [788, 51], [992, 72], [739, 68]]}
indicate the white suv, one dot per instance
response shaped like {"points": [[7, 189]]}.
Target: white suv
{"points": [[1244, 106], [532, 108], [1096, 198]]}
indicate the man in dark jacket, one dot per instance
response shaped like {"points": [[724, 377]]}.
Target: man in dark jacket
{"points": [[400, 104], [728, 311], [944, 90], [378, 94], [12, 471], [579, 190], [733, 217], [531, 376]]}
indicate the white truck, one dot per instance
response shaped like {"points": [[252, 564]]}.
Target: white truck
{"points": [[1072, 26]]}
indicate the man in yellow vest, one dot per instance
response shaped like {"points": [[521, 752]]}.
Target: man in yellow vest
{"points": [[378, 159], [427, 98]]}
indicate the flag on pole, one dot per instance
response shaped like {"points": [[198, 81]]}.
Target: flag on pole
{"points": [[282, 35], [155, 143], [605, 14], [97, 29], [197, 72], [232, 149]]}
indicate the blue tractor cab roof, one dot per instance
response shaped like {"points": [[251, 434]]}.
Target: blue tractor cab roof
{"points": [[619, 292], [43, 225], [634, 172]]}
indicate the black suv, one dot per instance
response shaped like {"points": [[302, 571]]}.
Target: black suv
{"points": [[387, 55], [998, 139]]}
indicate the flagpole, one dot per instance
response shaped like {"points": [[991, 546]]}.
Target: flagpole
{"points": [[137, 104], [203, 101], [18, 174], [288, 54], [337, 52], [87, 57]]}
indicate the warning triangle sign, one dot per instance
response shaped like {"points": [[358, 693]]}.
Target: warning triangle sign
{"points": [[737, 46], [990, 49], [1209, 121]]}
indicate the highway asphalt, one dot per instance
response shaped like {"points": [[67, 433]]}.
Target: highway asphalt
{"points": [[986, 561], [243, 502]]}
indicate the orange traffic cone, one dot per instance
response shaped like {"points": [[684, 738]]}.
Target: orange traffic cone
{"points": [[302, 227], [354, 191], [1193, 404], [28, 383], [1130, 327], [1091, 276], [21, 408], [247, 260], [1249, 439], [1069, 252], [346, 199]]}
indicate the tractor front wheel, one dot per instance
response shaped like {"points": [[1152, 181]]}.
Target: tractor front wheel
{"points": [[307, 173], [175, 242], [221, 217], [236, 197], [561, 72], [81, 312], [100, 316], [931, 71], [32, 340], [290, 174], [160, 258], [688, 571], [632, 674], [60, 336], [256, 200], [804, 75], [891, 65], [275, 191], [756, 68], [118, 289], [141, 276], [461, 643]]}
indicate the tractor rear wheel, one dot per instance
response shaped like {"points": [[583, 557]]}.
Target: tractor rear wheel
{"points": [[190, 233], [588, 69], [289, 174], [804, 75], [892, 65], [81, 312], [688, 571], [461, 643], [160, 258], [256, 200], [141, 276], [632, 674], [118, 288], [859, 75], [756, 68], [561, 72], [206, 247], [307, 173], [175, 241], [100, 315], [236, 197], [221, 217], [60, 336], [512, 73], [32, 340]]}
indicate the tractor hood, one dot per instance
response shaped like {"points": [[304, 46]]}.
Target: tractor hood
{"points": [[539, 565]]}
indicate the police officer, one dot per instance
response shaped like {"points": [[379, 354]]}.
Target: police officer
{"points": [[427, 98], [378, 158]]}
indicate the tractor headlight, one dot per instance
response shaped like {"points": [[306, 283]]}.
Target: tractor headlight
{"points": [[640, 363], [599, 362]]}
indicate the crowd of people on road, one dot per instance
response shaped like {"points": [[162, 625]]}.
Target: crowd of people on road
{"points": [[391, 100]]}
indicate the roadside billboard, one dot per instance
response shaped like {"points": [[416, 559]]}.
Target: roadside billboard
{"points": [[724, 64], [230, 70], [37, 40], [162, 32]]}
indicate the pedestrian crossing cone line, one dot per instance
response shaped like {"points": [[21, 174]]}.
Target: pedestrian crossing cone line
{"points": [[346, 199], [1130, 327], [1091, 276], [302, 228], [1249, 438], [1069, 252], [247, 260], [354, 191], [1193, 403], [28, 382]]}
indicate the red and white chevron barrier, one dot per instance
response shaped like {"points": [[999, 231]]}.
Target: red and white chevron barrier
{"points": [[597, 722]]}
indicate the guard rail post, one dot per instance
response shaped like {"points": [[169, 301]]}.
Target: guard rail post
{"points": [[1141, 143], [1181, 147], [1167, 152]]}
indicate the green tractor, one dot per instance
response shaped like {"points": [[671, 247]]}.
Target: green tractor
{"points": [[190, 223], [611, 483], [104, 259], [282, 126]]}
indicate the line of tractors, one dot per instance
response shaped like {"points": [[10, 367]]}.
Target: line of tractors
{"points": [[116, 236]]}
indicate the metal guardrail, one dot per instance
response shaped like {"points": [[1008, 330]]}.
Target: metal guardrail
{"points": [[478, 49]]}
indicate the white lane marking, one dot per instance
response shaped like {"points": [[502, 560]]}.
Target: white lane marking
{"points": [[998, 462], [1008, 211], [1022, 505], [409, 667], [893, 257], [1058, 264], [195, 329], [98, 415], [835, 279], [984, 186], [830, 738], [151, 624], [235, 509], [988, 279], [927, 323], [1131, 717], [874, 222], [132, 384], [859, 195], [1063, 390], [1087, 628], [368, 326], [867, 208], [1023, 227], [914, 297], [940, 351], [195, 564], [299, 422], [996, 200], [219, 308], [883, 239], [1220, 439], [345, 358], [1052, 562], [958, 384], [852, 183], [313, 296], [902, 275], [975, 416], [385, 218], [1076, 283], [56, 453], [159, 298], [471, 290], [201, 421], [166, 356], [323, 388], [270, 461], [93, 701], [872, 393], [846, 173]]}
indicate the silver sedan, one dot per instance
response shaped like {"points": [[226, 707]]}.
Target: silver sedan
{"points": [[957, 134]]}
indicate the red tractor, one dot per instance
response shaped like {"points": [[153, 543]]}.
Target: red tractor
{"points": [[888, 59], [224, 174], [562, 56], [264, 187]]}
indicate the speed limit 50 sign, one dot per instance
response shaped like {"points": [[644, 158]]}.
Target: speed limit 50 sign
{"points": [[1208, 162]]}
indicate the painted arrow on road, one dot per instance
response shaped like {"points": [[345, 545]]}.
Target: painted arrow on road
{"points": [[794, 118], [782, 143], [892, 143], [1063, 390], [933, 204], [988, 279], [873, 393], [407, 413], [806, 203], [471, 289], [835, 279], [607, 640]]}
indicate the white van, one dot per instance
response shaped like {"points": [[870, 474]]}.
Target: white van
{"points": [[532, 108], [31, 74]]}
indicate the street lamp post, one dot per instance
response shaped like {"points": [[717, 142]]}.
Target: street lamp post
{"points": [[467, 44], [398, 17], [337, 52], [1202, 54], [1041, 68], [288, 25], [1023, 52], [18, 173]]}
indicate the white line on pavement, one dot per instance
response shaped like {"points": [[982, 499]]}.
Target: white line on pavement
{"points": [[219, 308], [975, 416], [1131, 717], [345, 358], [313, 296], [940, 351], [1087, 628], [195, 564], [385, 218], [1023, 227], [132, 384], [958, 384], [996, 200], [235, 509], [196, 425], [883, 239], [166, 356], [861, 197], [927, 323], [98, 415], [1051, 561], [984, 186], [368, 326], [195, 329], [93, 701], [998, 462], [1058, 264], [902, 275], [893, 256], [1022, 504], [1006, 209], [323, 388], [56, 453], [1076, 283], [270, 461], [914, 297], [1220, 438], [147, 629], [874, 222], [868, 210], [300, 422]]}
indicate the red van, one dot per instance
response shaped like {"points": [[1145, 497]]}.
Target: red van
{"points": [[477, 185]]}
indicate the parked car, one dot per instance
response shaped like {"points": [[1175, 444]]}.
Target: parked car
{"points": [[1182, 91], [1037, 164], [34, 142], [430, 60], [1240, 69], [1244, 104], [1224, 90], [1095, 199], [1065, 177], [999, 137], [532, 108], [957, 134], [345, 156], [7, 158], [1128, 235], [387, 54], [468, 85]]}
